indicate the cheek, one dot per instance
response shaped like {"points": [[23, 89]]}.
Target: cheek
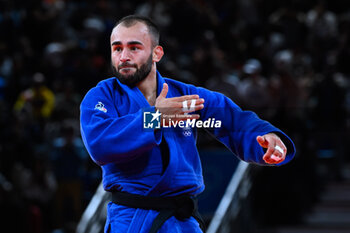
{"points": [[114, 59]]}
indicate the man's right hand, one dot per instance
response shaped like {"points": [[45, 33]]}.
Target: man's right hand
{"points": [[176, 108]]}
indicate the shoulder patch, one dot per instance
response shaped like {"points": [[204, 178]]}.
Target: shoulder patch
{"points": [[100, 106]]}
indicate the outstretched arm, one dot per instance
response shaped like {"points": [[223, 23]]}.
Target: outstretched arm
{"points": [[244, 133]]}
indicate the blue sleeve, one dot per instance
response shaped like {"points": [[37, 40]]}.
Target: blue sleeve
{"points": [[240, 128], [108, 137]]}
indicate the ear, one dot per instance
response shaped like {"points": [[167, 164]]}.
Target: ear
{"points": [[157, 53]]}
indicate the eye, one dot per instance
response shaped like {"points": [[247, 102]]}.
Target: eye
{"points": [[134, 48], [117, 48]]}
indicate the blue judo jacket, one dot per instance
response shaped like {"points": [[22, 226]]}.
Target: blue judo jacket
{"points": [[130, 156]]}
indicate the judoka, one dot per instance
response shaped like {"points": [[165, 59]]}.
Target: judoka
{"points": [[153, 170]]}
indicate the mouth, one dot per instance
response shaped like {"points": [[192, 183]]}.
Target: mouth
{"points": [[126, 71], [126, 68]]}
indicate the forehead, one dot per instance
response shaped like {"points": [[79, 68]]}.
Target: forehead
{"points": [[137, 32]]}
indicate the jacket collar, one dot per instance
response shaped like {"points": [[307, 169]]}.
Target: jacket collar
{"points": [[137, 94]]}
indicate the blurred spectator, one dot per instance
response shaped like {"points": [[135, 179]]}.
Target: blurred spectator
{"points": [[323, 32], [69, 158], [67, 102], [322, 23], [37, 101], [36, 184], [253, 88], [329, 123]]}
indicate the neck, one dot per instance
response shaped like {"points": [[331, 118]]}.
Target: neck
{"points": [[148, 87]]}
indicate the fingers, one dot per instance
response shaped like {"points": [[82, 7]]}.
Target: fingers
{"points": [[179, 99], [276, 150], [164, 91], [185, 97], [175, 106], [193, 109], [192, 105], [262, 141], [273, 156], [187, 104], [178, 108]]}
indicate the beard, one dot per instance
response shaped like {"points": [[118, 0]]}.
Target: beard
{"points": [[132, 79]]}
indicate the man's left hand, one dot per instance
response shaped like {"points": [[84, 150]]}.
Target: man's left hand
{"points": [[276, 150]]}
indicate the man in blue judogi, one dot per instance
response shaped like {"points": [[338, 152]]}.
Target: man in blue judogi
{"points": [[155, 174]]}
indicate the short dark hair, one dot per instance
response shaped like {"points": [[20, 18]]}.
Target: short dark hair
{"points": [[153, 29]]}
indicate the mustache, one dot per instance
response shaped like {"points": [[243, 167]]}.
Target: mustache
{"points": [[126, 64]]}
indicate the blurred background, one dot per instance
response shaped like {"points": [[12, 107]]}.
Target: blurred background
{"points": [[286, 60]]}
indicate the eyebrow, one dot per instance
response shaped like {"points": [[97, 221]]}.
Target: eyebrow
{"points": [[129, 43]]}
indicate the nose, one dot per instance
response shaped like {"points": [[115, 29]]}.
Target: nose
{"points": [[124, 56]]}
